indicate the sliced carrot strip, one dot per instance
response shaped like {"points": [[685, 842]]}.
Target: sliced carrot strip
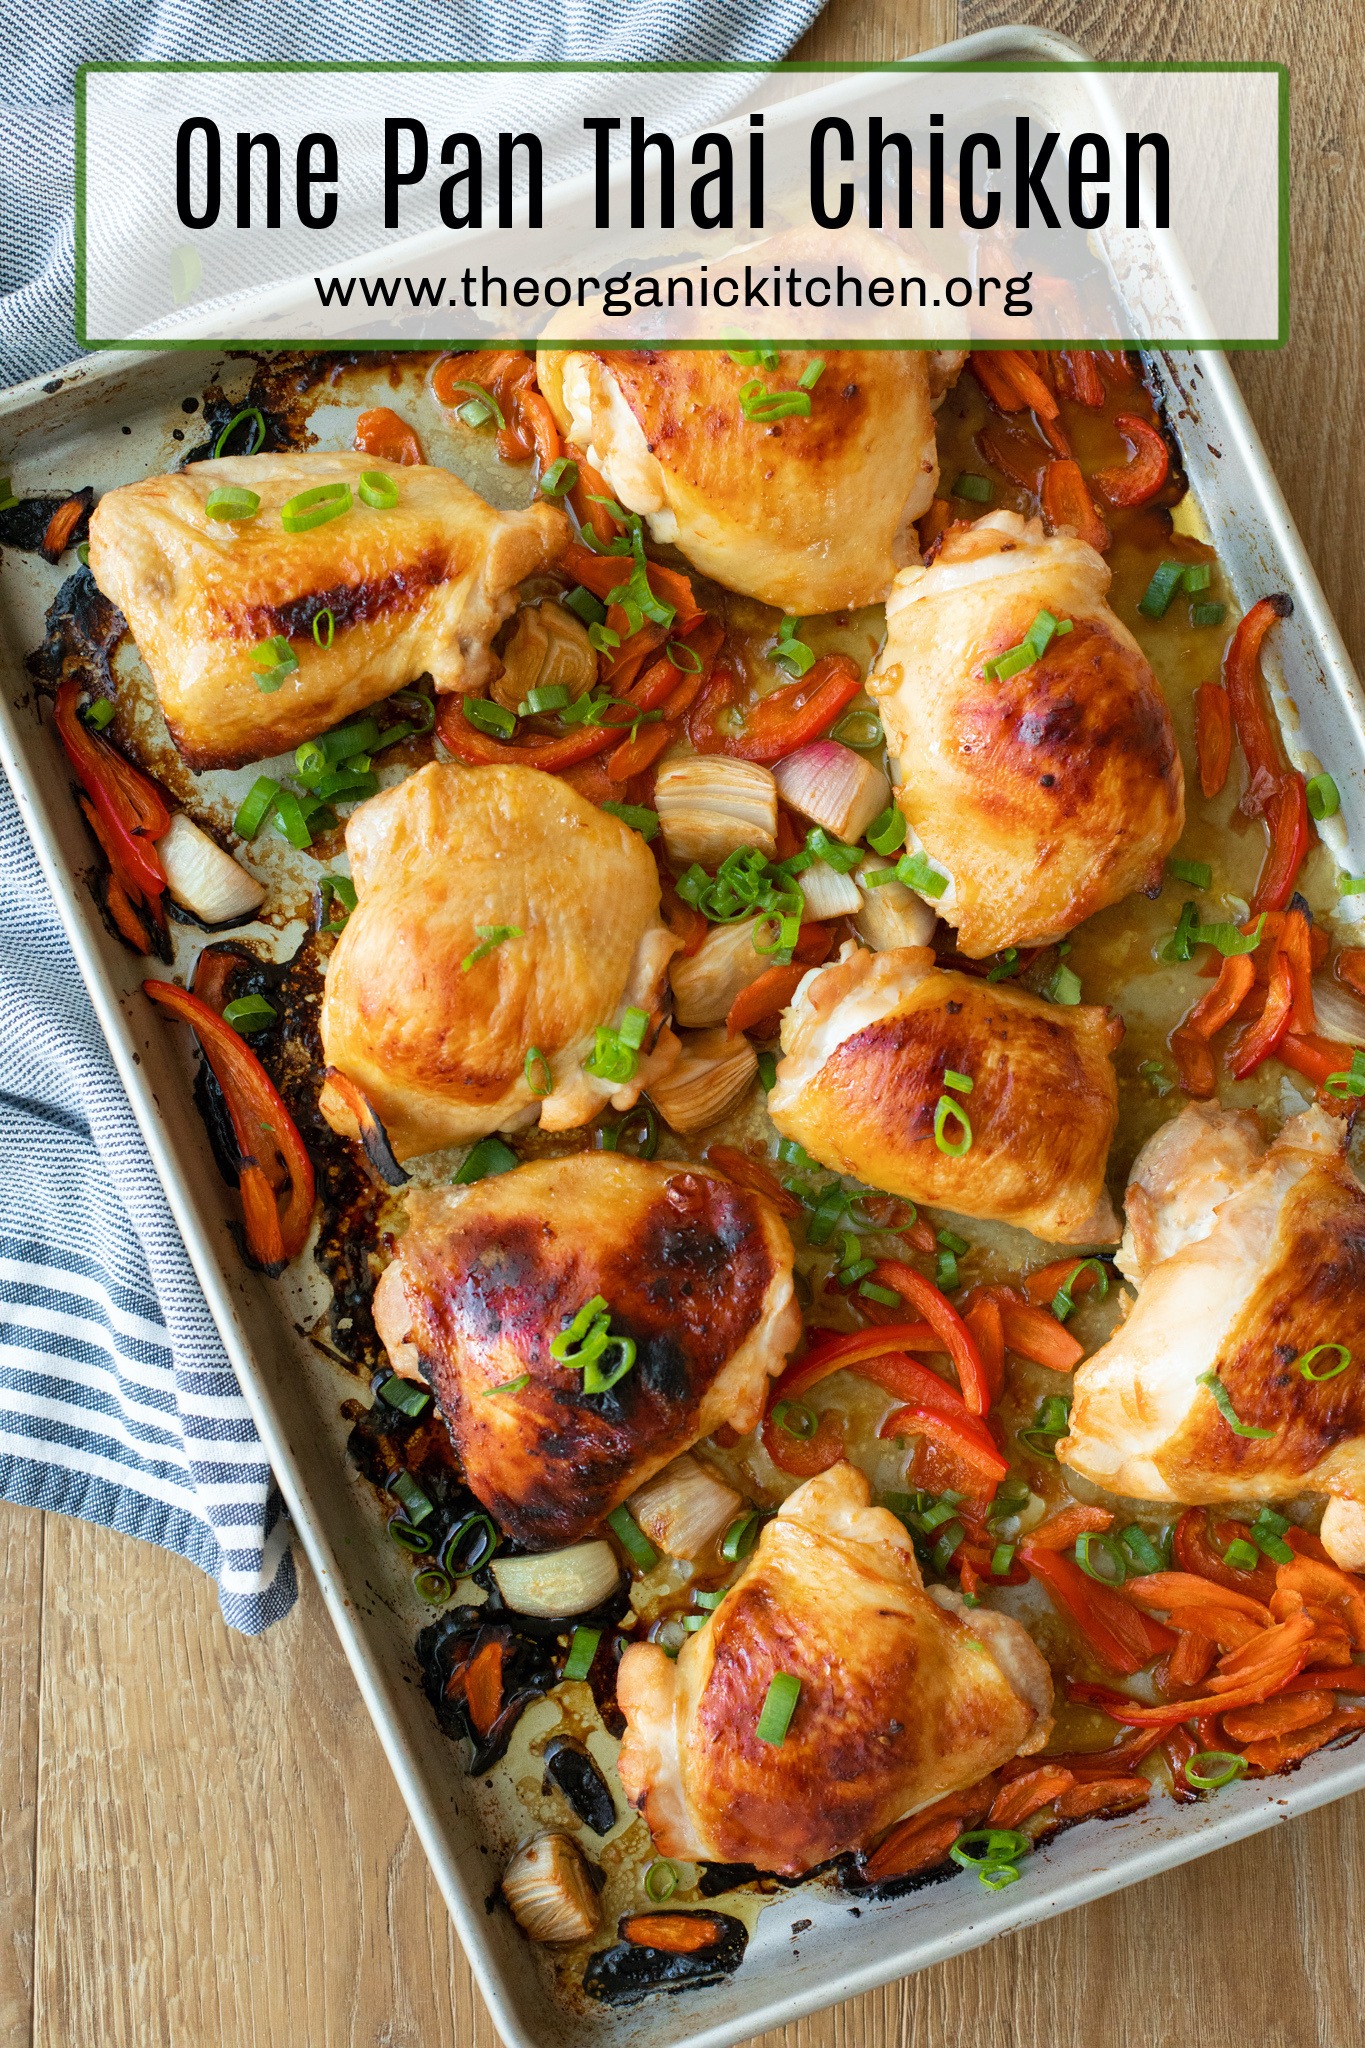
{"points": [[1028, 1795], [1212, 736], [754, 1175], [1067, 502], [1061, 1531], [1106, 1798], [1277, 1717]]}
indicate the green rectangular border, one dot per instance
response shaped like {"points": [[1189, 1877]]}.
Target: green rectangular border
{"points": [[911, 65]]}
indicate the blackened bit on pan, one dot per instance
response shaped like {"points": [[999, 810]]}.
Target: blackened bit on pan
{"points": [[569, 1767], [83, 629], [32, 525], [515, 1669], [630, 1971]]}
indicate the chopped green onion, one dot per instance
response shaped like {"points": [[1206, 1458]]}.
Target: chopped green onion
{"points": [[945, 1274], [859, 729], [1350, 1080], [257, 805], [404, 1395], [257, 417], [963, 1085], [280, 661], [490, 937], [486, 716], [481, 406], [602, 639], [560, 478], [1229, 939], [825, 1219], [632, 1539], [611, 1058], [582, 1649], [778, 1707], [791, 651], [536, 1069], [248, 1014], [767, 1071], [756, 402], [490, 1156], [950, 1240], [1352, 885], [638, 816], [1208, 614], [1304, 1363], [586, 604], [416, 1541], [515, 1386], [1324, 798], [461, 1556], [1197, 873], [975, 488], [1268, 1533], [811, 375], [1164, 584], [947, 1108], [415, 1503], [997, 1875], [1197, 576], [661, 1880], [1006, 965], [1052, 1421], [796, 1419], [948, 1544], [1002, 1559], [7, 497], [915, 871], [1141, 1549], [1090, 1546], [1209, 1769], [231, 501], [318, 618], [82, 551], [833, 852], [292, 820], [315, 508], [887, 832], [551, 697], [870, 1291], [639, 1126], [99, 714], [1155, 1075], [675, 650], [995, 1866], [1031, 648], [434, 1585], [763, 356], [1063, 1301], [1065, 986], [740, 1538], [336, 890], [1225, 1408]]}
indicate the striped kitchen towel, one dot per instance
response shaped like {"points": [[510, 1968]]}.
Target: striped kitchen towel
{"points": [[118, 1401]]}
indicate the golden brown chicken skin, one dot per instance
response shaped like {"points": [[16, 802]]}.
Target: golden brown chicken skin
{"points": [[902, 1699], [695, 1271], [810, 514], [1243, 1282], [418, 588], [433, 1026], [1050, 793], [866, 1045]]}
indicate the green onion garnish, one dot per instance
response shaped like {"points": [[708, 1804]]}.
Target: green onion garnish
{"points": [[488, 1157], [338, 893], [791, 650], [915, 871], [378, 490], [552, 697], [948, 1544], [1141, 1549], [257, 805], [683, 657], [231, 501], [404, 1395], [999, 1854], [415, 1503], [948, 1109], [315, 508], [1002, 1558], [1304, 1364], [280, 661], [1089, 1547], [7, 497], [811, 375], [1063, 1301], [434, 1585], [99, 714], [827, 1215], [588, 1340], [1350, 1080], [638, 816], [582, 1649], [586, 604], [1155, 1075], [661, 1880], [480, 406], [615, 1054], [248, 1014], [1052, 1421], [632, 1539], [1324, 798], [1268, 1532], [1228, 938], [1065, 986], [870, 1291], [1208, 614], [490, 937], [975, 488], [461, 1555], [1007, 964], [962, 1084], [1226, 1409], [1197, 576], [257, 417], [740, 1538], [756, 402], [82, 550], [292, 820], [513, 1386], [560, 478], [1208, 1769], [778, 1707], [486, 716], [833, 852], [416, 1541], [887, 832], [796, 1419], [1352, 885], [859, 729], [1197, 873], [767, 1071], [1162, 588], [1034, 645], [536, 1069], [602, 639]]}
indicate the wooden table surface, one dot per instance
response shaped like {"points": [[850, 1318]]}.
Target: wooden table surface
{"points": [[200, 1844]]}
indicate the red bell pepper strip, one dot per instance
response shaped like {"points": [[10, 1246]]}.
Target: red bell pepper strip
{"points": [[1247, 698], [1287, 816], [276, 1174], [1142, 477], [1296, 943], [1280, 1653], [129, 804], [1317, 1059], [859, 1351], [942, 1317], [1262, 1038], [1067, 502], [1121, 1636], [1220, 1004], [1212, 736], [986, 1322], [1081, 377], [779, 723], [1030, 1331], [955, 1432], [1199, 1551]]}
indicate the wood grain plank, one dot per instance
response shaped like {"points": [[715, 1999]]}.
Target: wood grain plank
{"points": [[223, 1855], [21, 1617]]}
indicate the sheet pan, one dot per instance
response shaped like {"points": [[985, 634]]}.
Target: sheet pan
{"points": [[111, 417]]}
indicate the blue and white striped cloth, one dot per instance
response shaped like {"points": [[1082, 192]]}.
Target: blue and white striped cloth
{"points": [[116, 1399]]}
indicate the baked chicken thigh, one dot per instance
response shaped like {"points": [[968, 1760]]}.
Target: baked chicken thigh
{"points": [[695, 1272], [421, 586], [1247, 1259], [1052, 791], [902, 1699], [810, 514], [867, 1044], [499, 915]]}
